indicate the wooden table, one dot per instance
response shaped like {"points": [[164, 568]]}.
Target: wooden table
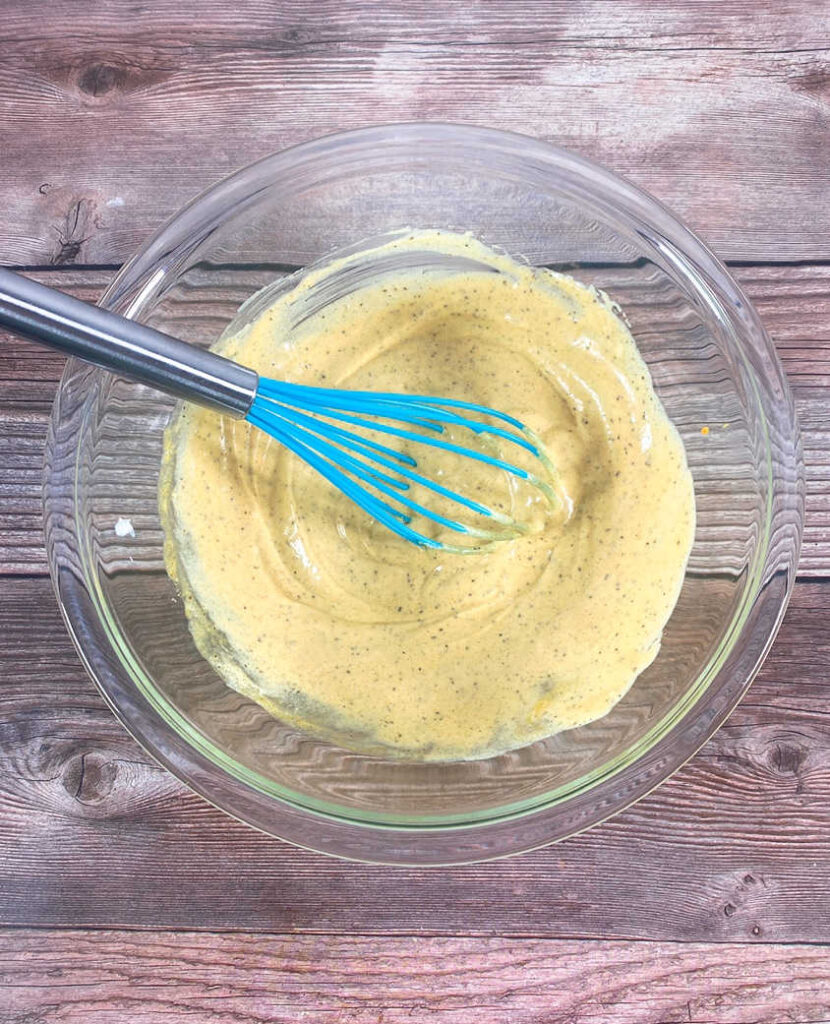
{"points": [[124, 897]]}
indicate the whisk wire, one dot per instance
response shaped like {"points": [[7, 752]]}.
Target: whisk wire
{"points": [[434, 442], [345, 437], [364, 399], [350, 440], [393, 519], [370, 475], [418, 409], [306, 420]]}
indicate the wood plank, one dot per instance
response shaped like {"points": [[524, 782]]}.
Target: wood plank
{"points": [[162, 977], [113, 115], [736, 847], [794, 303]]}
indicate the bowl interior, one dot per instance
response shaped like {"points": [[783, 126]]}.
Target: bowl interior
{"points": [[297, 208]]}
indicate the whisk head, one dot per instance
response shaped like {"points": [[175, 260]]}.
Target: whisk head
{"points": [[336, 432]]}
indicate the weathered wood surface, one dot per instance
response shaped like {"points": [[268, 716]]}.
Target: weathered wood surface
{"points": [[51, 977], [115, 113], [794, 303], [736, 847]]}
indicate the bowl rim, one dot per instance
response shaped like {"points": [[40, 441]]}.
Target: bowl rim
{"points": [[365, 836]]}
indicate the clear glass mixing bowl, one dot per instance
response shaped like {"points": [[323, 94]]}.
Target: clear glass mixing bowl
{"points": [[713, 366]]}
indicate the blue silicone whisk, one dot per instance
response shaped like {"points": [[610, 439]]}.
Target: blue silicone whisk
{"points": [[333, 430]]}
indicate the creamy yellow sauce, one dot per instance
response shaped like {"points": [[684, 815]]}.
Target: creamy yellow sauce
{"points": [[330, 622]]}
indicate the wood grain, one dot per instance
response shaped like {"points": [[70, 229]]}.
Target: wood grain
{"points": [[736, 847], [794, 303], [113, 114], [73, 977]]}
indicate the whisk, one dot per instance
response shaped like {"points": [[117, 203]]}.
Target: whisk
{"points": [[333, 430]]}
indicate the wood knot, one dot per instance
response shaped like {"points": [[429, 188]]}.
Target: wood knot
{"points": [[89, 778], [98, 79], [787, 758], [75, 228], [815, 81]]}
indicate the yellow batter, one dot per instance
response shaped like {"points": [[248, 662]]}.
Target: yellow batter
{"points": [[329, 621]]}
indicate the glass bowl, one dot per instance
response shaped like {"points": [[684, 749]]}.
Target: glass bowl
{"points": [[714, 368]]}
